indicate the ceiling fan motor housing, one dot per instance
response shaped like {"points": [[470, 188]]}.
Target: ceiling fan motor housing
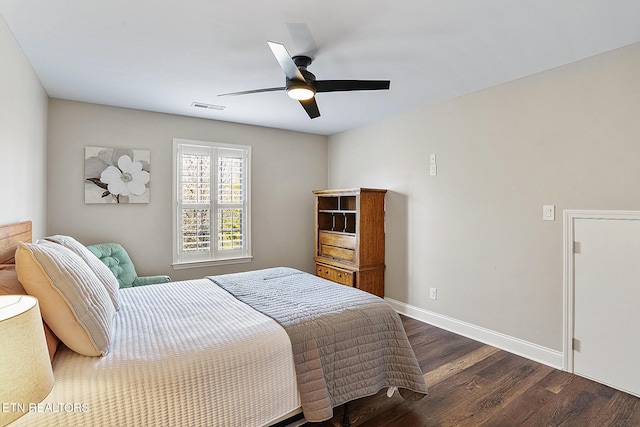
{"points": [[302, 62]]}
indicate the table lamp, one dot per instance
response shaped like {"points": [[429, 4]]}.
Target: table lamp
{"points": [[26, 376]]}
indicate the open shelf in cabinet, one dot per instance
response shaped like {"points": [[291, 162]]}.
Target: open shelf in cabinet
{"points": [[339, 221], [337, 213], [337, 203]]}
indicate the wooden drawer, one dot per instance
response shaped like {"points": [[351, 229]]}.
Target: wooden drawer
{"points": [[337, 253], [343, 277], [339, 240], [337, 275]]}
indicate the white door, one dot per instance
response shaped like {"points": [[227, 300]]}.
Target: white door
{"points": [[607, 302]]}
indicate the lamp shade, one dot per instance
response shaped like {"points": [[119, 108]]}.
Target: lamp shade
{"points": [[25, 368]]}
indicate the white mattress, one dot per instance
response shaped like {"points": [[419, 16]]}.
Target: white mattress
{"points": [[182, 354]]}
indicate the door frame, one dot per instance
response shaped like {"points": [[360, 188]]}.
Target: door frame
{"points": [[568, 282]]}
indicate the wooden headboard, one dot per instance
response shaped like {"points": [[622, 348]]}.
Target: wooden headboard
{"points": [[10, 235]]}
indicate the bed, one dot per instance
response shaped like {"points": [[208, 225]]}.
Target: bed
{"points": [[244, 349]]}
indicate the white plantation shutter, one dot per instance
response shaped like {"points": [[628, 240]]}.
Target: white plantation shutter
{"points": [[230, 203], [211, 220]]}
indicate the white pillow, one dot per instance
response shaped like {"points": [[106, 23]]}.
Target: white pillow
{"points": [[73, 301], [98, 267]]}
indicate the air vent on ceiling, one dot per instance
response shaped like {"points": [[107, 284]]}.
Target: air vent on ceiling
{"points": [[208, 106]]}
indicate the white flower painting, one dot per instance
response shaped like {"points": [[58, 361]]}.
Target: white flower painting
{"points": [[113, 175]]}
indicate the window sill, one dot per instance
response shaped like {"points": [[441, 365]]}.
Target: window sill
{"points": [[211, 263]]}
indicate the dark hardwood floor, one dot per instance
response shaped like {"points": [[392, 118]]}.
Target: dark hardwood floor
{"points": [[473, 384]]}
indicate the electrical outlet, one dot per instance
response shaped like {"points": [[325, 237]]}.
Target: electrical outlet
{"points": [[433, 293]]}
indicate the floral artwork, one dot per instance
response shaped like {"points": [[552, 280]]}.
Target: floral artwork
{"points": [[114, 175]]}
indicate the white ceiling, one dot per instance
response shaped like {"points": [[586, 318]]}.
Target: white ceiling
{"points": [[163, 55]]}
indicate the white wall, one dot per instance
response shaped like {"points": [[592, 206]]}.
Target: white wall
{"points": [[568, 137], [23, 138], [286, 167]]}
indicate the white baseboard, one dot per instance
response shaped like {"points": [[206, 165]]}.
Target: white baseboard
{"points": [[535, 352]]}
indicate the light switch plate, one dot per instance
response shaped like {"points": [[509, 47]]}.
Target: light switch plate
{"points": [[549, 212], [433, 170]]}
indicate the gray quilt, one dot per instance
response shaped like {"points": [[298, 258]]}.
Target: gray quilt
{"points": [[347, 343]]}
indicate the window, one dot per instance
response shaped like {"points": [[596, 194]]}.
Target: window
{"points": [[211, 219]]}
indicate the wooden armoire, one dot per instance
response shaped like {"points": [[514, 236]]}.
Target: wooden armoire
{"points": [[349, 237]]}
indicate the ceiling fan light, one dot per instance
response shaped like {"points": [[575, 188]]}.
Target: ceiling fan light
{"points": [[300, 93], [299, 90]]}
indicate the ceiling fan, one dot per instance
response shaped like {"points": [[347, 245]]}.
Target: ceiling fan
{"points": [[300, 84]]}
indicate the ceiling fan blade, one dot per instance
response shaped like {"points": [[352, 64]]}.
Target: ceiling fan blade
{"points": [[349, 85], [247, 92], [286, 63], [311, 107]]}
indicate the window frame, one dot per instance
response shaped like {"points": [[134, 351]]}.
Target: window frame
{"points": [[214, 256]]}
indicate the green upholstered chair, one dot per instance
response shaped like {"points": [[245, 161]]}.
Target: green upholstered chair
{"points": [[114, 256]]}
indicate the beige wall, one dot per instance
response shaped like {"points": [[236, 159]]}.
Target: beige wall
{"points": [[23, 138], [568, 137], [286, 167]]}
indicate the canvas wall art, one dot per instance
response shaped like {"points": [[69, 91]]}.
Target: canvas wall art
{"points": [[115, 175]]}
